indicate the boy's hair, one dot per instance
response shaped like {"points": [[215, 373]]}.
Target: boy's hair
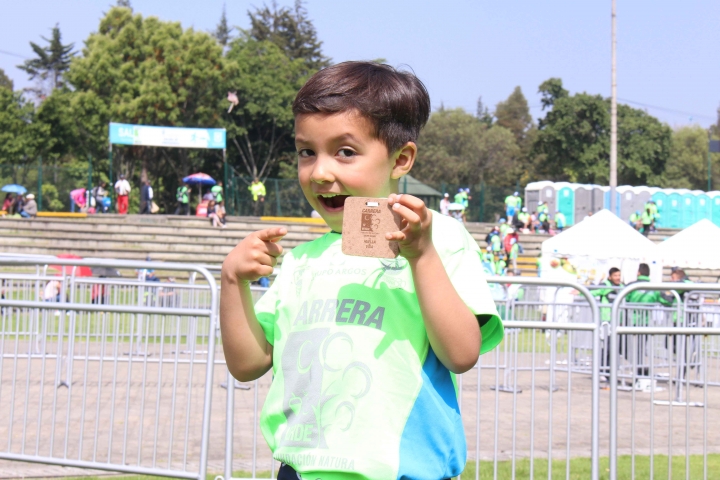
{"points": [[644, 270], [396, 103], [613, 270]]}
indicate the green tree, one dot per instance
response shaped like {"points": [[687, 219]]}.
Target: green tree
{"points": [[514, 114], [290, 29], [644, 145], [20, 136], [223, 31], [265, 80], [482, 113], [456, 147], [52, 62], [687, 165], [143, 71], [574, 142], [5, 81], [551, 90]]}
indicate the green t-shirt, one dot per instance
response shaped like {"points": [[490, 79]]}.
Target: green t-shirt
{"points": [[357, 388], [217, 190], [511, 201], [257, 190]]}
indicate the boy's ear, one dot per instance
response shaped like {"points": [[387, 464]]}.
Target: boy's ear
{"points": [[403, 160]]}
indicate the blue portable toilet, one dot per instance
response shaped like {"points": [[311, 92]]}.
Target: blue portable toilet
{"points": [[566, 201], [715, 207], [660, 197], [704, 207], [689, 208], [674, 210], [606, 200]]}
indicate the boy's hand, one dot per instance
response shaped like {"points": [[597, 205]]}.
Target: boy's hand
{"points": [[415, 237], [255, 256]]}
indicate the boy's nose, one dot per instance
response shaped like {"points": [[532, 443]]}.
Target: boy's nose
{"points": [[322, 171]]}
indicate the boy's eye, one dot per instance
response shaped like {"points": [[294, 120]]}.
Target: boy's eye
{"points": [[346, 153], [305, 153]]}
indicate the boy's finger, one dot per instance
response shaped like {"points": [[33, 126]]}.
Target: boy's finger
{"points": [[395, 236], [271, 234], [411, 216], [267, 260], [409, 201], [274, 249], [264, 271]]}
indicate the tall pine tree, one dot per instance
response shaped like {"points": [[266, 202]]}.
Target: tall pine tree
{"points": [[51, 63], [291, 30], [222, 31], [5, 81]]}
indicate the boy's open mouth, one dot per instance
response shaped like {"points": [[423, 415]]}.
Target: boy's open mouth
{"points": [[333, 203]]}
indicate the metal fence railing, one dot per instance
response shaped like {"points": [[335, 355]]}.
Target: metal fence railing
{"points": [[665, 411], [117, 374], [102, 375]]}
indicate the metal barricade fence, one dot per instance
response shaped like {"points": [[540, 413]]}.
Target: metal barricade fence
{"points": [[134, 345], [106, 374], [668, 355], [541, 413]]}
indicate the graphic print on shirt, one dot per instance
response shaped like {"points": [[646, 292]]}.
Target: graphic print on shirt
{"points": [[317, 368]]}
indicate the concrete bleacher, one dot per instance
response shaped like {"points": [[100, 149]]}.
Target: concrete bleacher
{"points": [[191, 239]]}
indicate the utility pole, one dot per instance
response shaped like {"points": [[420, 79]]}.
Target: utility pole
{"points": [[613, 115]]}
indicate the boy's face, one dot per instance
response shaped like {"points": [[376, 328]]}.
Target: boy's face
{"points": [[339, 156]]}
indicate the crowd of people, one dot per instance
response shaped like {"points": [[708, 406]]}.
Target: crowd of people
{"points": [[458, 207], [23, 205], [502, 250], [539, 221], [607, 293]]}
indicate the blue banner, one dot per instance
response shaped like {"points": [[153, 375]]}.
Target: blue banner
{"points": [[181, 137]]}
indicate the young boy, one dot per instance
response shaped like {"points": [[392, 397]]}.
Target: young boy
{"points": [[363, 350]]}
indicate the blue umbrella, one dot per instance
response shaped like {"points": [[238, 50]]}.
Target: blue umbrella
{"points": [[12, 188], [199, 179]]}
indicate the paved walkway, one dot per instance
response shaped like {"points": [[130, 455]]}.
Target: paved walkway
{"points": [[152, 409]]}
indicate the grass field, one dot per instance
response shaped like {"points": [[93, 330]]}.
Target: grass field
{"points": [[579, 469]]}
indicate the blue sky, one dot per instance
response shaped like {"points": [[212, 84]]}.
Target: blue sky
{"points": [[668, 51]]}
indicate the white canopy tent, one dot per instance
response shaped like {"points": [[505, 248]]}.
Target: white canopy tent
{"points": [[585, 252], [694, 247]]}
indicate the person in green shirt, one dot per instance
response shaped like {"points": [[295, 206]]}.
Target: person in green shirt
{"points": [[655, 215], [647, 220], [363, 350], [182, 196], [635, 220], [217, 191], [542, 208], [500, 265], [504, 227], [607, 296], [560, 221], [257, 190], [512, 204], [640, 317], [462, 198], [524, 218]]}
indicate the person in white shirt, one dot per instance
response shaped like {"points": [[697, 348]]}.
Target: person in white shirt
{"points": [[122, 188], [445, 205]]}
